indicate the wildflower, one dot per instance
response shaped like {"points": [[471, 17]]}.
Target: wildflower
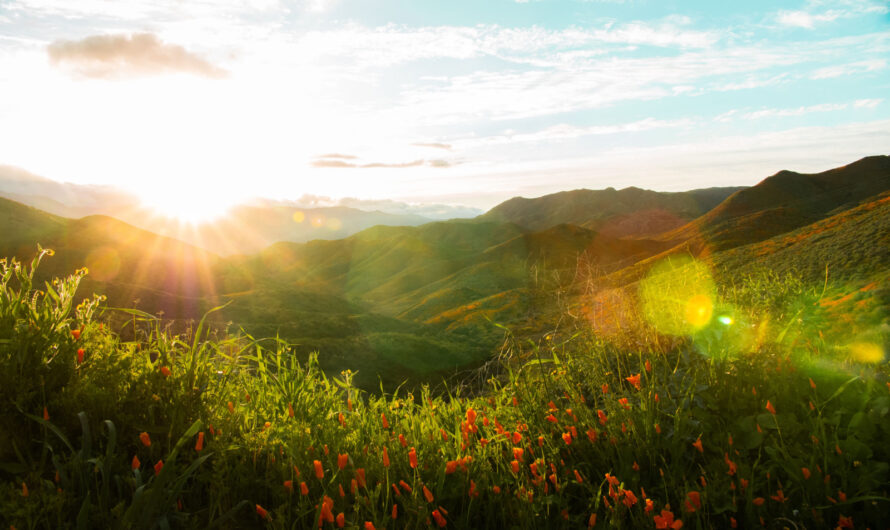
{"points": [[45, 414], [267, 425], [384, 420], [342, 460], [262, 512], [648, 366], [402, 440], [327, 506], [427, 494], [319, 471], [496, 490], [844, 522], [450, 467], [758, 501], [567, 438], [25, 492], [602, 416], [551, 418], [304, 489], [629, 498], [341, 520], [518, 453], [385, 457], [591, 522], [624, 404], [135, 463], [514, 465], [159, 466], [695, 497], [517, 437], [634, 380], [806, 472], [658, 428], [395, 511], [697, 444], [166, 371], [290, 410], [605, 388], [199, 445], [289, 485], [471, 416], [369, 525], [730, 463], [649, 505], [842, 496], [412, 458], [145, 438], [405, 486], [231, 407], [770, 407], [666, 521], [744, 483], [779, 496], [636, 467], [75, 333], [360, 476], [80, 353], [591, 434], [473, 492], [439, 519]]}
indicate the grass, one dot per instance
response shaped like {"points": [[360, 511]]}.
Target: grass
{"points": [[569, 431]]}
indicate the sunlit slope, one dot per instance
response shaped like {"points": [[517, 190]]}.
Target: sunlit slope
{"points": [[628, 212], [783, 202]]}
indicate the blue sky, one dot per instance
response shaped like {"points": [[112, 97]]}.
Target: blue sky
{"points": [[432, 101]]}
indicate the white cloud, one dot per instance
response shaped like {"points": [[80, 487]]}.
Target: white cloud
{"points": [[799, 111], [857, 67], [867, 103], [803, 19]]}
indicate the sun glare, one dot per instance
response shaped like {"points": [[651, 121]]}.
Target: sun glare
{"points": [[190, 208]]}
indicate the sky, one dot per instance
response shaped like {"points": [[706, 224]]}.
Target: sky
{"points": [[454, 102]]}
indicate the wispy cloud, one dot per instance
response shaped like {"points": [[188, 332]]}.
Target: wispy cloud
{"points": [[434, 145], [339, 163], [107, 56], [857, 67]]}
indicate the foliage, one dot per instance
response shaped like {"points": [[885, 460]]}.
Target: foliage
{"points": [[192, 431]]}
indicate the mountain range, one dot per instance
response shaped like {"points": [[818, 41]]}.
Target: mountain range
{"points": [[417, 302]]}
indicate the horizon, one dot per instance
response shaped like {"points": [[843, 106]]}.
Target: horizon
{"points": [[432, 106]]}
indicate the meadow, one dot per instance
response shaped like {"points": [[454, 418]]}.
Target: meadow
{"points": [[724, 406]]}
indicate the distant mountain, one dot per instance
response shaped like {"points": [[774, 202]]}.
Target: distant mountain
{"points": [[630, 212], [245, 229]]}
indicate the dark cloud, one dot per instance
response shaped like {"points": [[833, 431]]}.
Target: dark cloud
{"points": [[434, 145], [106, 56]]}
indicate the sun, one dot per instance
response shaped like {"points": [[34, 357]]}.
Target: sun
{"points": [[193, 208]]}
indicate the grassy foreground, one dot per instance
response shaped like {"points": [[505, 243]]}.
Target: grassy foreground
{"points": [[200, 431]]}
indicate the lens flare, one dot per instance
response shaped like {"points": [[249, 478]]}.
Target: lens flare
{"points": [[866, 352], [299, 216], [678, 296], [726, 320]]}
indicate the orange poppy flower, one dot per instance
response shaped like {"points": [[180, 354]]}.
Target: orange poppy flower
{"points": [[395, 511], [634, 380], [231, 407], [384, 420], [591, 522], [159, 466], [304, 489], [770, 407], [698, 445], [440, 520], [319, 471], [166, 371], [135, 463], [666, 521], [80, 353], [262, 512], [369, 525], [567, 438], [45, 414], [779, 496], [471, 416], [806, 472], [758, 501], [412, 458], [199, 445], [450, 467], [75, 333], [341, 520], [385, 457], [145, 438], [517, 437], [360, 476], [25, 491], [427, 494], [695, 498], [648, 366], [290, 410], [578, 477], [289, 485], [551, 418], [602, 417]]}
